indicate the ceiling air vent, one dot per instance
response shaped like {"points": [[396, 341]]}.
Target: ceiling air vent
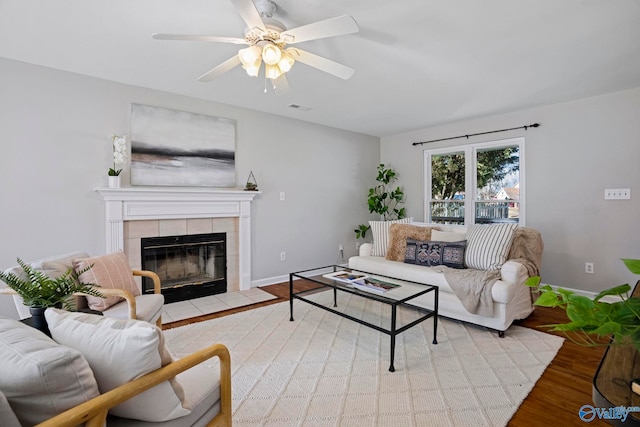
{"points": [[299, 107]]}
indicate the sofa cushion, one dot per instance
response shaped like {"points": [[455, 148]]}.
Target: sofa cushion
{"points": [[39, 377], [119, 351], [398, 235], [502, 291], [111, 271], [432, 253], [448, 236], [380, 232], [488, 245]]}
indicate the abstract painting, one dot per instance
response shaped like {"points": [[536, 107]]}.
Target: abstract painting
{"points": [[178, 148]]}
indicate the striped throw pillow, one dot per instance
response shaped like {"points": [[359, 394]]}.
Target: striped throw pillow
{"points": [[488, 245], [380, 232]]}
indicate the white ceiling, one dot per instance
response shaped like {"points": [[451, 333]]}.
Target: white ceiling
{"points": [[418, 62]]}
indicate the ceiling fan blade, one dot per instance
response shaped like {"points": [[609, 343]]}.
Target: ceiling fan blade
{"points": [[337, 26], [220, 69], [321, 63], [249, 13], [281, 85], [196, 38]]}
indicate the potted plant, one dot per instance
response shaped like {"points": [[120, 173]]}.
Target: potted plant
{"points": [[592, 317], [119, 151], [39, 291], [616, 325], [383, 200]]}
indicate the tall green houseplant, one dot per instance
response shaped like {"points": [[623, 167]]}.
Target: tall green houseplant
{"points": [[383, 199]]}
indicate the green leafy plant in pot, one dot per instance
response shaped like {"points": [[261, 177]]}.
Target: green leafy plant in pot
{"points": [[592, 317], [39, 291], [383, 199]]}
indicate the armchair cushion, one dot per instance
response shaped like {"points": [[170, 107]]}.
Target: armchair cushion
{"points": [[135, 347], [7, 415], [111, 271], [38, 377]]}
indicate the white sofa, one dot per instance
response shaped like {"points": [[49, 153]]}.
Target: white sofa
{"points": [[511, 299]]}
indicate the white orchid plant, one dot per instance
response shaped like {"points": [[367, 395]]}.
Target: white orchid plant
{"points": [[119, 151]]}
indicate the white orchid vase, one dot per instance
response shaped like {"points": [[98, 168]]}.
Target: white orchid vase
{"points": [[119, 152]]}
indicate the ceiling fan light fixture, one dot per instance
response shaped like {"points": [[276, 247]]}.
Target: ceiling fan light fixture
{"points": [[253, 69], [286, 62], [249, 55], [271, 54], [272, 71]]}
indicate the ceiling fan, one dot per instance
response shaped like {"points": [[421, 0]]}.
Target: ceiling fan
{"points": [[266, 39]]}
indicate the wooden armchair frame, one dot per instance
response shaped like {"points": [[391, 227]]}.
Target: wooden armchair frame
{"points": [[94, 411], [128, 296]]}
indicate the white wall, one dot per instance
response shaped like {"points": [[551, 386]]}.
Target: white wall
{"points": [[581, 148], [55, 130]]}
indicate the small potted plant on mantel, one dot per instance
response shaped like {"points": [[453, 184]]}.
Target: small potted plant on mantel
{"points": [[39, 291], [119, 152]]}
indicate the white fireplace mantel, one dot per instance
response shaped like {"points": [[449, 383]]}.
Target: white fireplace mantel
{"points": [[145, 203]]}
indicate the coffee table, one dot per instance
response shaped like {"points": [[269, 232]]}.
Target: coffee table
{"points": [[394, 298]]}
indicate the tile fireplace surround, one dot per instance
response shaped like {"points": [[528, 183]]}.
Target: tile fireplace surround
{"points": [[135, 212]]}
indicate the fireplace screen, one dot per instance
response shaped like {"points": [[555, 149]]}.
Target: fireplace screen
{"points": [[189, 266]]}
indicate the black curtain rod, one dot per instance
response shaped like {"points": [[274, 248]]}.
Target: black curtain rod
{"points": [[535, 125]]}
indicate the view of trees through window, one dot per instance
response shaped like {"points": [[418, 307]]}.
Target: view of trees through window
{"points": [[491, 189]]}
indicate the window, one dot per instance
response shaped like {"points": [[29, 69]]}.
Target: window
{"points": [[475, 184]]}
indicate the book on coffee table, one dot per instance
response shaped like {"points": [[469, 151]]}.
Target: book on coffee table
{"points": [[345, 276], [374, 285]]}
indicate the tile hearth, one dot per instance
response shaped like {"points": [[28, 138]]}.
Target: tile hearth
{"points": [[213, 303]]}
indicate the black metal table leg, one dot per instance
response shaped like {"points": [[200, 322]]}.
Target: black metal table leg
{"points": [[435, 316], [291, 297], [393, 338], [335, 297]]}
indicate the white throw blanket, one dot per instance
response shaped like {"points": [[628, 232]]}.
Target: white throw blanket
{"points": [[472, 287]]}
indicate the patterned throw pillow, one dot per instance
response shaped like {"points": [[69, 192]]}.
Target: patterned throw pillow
{"points": [[488, 245], [430, 253], [380, 232]]}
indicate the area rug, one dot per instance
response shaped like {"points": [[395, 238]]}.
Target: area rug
{"points": [[325, 370]]}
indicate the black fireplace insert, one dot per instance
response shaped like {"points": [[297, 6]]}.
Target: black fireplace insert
{"points": [[189, 266]]}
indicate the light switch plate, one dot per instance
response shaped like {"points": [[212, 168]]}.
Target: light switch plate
{"points": [[617, 194]]}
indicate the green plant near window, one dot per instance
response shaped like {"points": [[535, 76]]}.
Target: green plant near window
{"points": [[592, 317], [40, 290], [383, 199]]}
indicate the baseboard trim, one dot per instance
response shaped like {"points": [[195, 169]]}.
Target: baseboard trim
{"points": [[588, 294], [269, 281]]}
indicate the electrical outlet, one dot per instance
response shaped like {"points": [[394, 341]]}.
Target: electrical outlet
{"points": [[283, 256], [282, 195], [588, 267]]}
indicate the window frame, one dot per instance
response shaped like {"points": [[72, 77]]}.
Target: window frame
{"points": [[471, 191]]}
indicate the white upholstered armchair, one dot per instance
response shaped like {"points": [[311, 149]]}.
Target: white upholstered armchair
{"points": [[124, 299]]}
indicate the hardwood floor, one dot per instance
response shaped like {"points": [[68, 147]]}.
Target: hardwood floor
{"points": [[556, 398]]}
